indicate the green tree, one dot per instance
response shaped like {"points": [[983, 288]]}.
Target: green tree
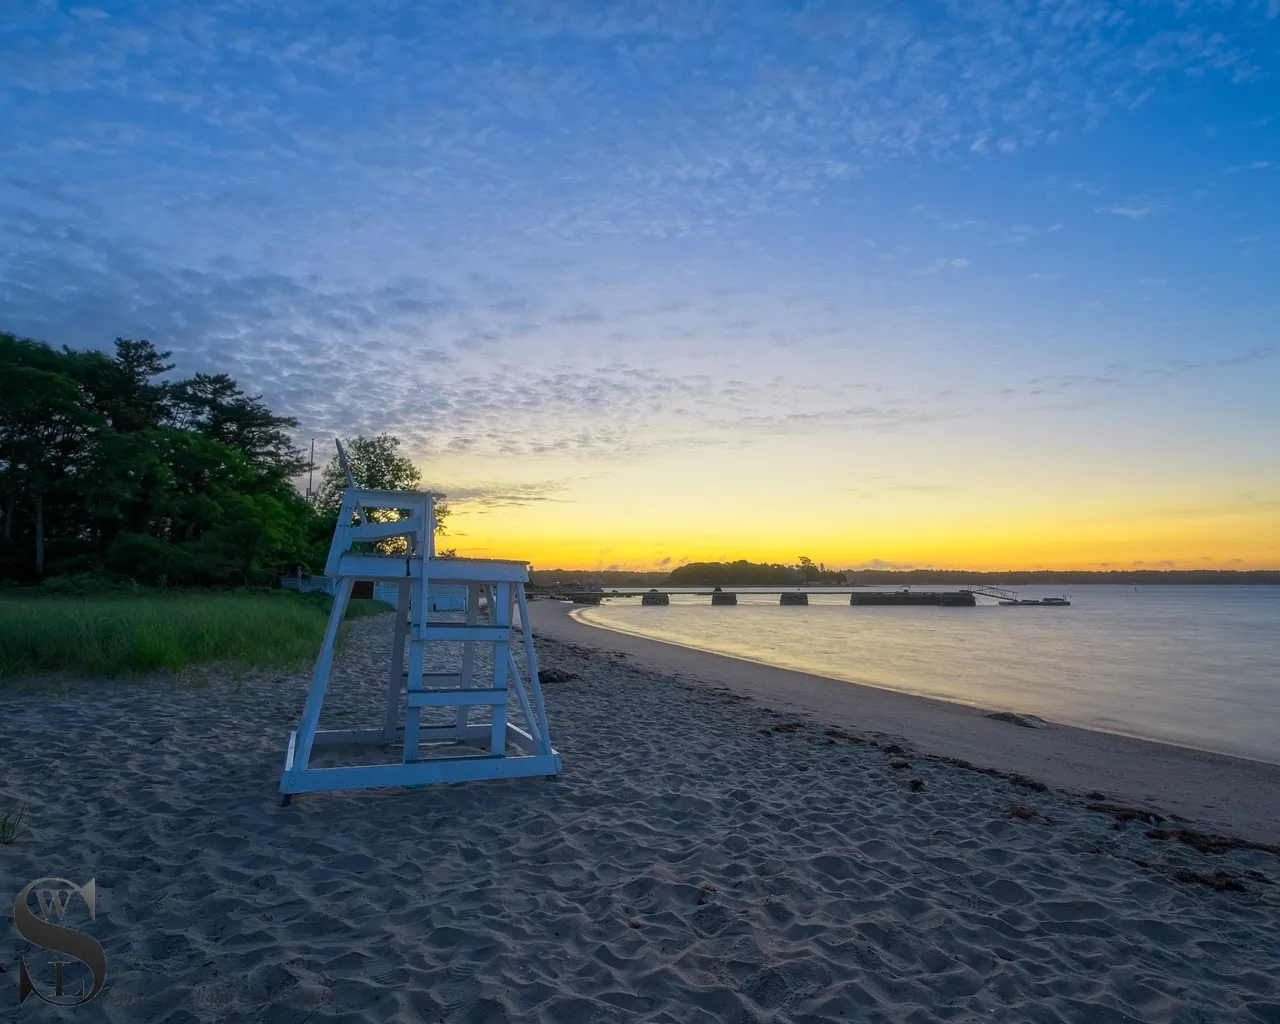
{"points": [[44, 433], [214, 405], [208, 516], [105, 465], [375, 462], [812, 571], [125, 389]]}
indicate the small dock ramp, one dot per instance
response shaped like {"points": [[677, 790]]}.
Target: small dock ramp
{"points": [[999, 593]]}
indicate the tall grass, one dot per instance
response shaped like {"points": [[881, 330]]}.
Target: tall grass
{"points": [[114, 635]]}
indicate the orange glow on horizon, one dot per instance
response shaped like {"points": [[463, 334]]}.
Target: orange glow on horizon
{"points": [[1139, 544], [928, 500]]}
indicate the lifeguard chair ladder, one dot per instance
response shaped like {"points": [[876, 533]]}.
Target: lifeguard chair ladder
{"points": [[455, 752]]}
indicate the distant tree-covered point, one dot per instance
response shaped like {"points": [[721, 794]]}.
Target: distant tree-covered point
{"points": [[696, 574], [744, 574], [605, 578]]}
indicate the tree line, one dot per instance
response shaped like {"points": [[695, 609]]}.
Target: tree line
{"points": [[744, 573], [110, 465]]}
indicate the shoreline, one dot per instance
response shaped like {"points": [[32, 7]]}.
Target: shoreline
{"points": [[574, 615], [1235, 795]]}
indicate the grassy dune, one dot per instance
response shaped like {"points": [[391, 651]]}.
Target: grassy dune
{"points": [[114, 635]]}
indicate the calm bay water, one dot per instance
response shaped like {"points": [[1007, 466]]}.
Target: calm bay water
{"points": [[1198, 666]]}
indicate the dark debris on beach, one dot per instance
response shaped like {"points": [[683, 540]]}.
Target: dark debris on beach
{"points": [[556, 675], [1208, 842]]}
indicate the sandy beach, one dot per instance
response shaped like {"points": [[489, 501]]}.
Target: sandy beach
{"points": [[1235, 794], [728, 842]]}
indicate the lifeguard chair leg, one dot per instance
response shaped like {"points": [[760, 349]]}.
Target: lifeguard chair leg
{"points": [[396, 681], [500, 616], [412, 715], [306, 734], [468, 658], [534, 683]]}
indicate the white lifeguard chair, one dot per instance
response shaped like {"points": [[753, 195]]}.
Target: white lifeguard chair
{"points": [[456, 751]]}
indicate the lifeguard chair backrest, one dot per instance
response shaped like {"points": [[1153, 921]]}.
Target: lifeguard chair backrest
{"points": [[346, 471], [418, 528]]}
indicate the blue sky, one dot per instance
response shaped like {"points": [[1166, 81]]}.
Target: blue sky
{"points": [[921, 252]]}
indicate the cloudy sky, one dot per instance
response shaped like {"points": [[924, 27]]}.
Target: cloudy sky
{"points": [[971, 284]]}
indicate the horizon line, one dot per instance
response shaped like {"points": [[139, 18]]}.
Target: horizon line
{"points": [[919, 569]]}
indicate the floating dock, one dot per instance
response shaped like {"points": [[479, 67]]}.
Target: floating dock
{"points": [[911, 598]]}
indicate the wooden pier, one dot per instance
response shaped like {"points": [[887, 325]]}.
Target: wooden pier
{"points": [[912, 599], [966, 597]]}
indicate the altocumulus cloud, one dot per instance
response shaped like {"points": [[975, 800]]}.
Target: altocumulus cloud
{"points": [[473, 224]]}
